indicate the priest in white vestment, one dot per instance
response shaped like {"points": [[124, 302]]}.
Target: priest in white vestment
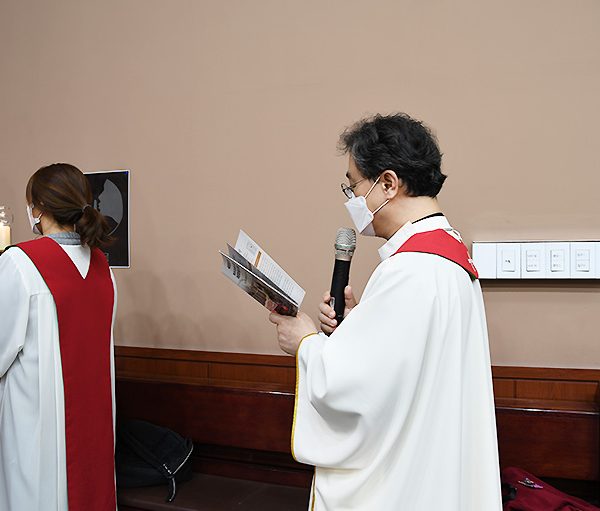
{"points": [[395, 408]]}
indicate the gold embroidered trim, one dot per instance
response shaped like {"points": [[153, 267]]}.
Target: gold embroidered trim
{"points": [[296, 392], [314, 489]]}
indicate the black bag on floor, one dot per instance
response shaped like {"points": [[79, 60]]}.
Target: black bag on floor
{"points": [[148, 455]]}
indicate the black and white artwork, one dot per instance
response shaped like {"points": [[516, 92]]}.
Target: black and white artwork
{"points": [[110, 190]]}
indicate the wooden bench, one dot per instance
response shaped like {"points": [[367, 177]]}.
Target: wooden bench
{"points": [[559, 440], [238, 410]]}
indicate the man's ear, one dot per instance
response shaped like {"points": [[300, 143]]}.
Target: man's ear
{"points": [[392, 186]]}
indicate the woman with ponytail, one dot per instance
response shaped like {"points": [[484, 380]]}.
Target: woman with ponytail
{"points": [[57, 306]]}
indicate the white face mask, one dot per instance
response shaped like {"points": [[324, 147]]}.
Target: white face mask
{"points": [[33, 221], [361, 214]]}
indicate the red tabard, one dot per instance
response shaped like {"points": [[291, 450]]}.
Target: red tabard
{"points": [[84, 308], [441, 243]]}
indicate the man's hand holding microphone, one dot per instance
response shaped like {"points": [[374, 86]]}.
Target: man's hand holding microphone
{"points": [[336, 305], [327, 313]]}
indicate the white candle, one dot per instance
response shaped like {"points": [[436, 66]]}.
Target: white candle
{"points": [[4, 236]]}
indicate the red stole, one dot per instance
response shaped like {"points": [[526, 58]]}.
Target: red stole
{"points": [[441, 243], [84, 309]]}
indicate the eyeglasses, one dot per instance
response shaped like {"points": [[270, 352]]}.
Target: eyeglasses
{"points": [[349, 189]]}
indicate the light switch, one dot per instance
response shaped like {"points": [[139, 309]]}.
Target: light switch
{"points": [[508, 260], [533, 261], [583, 260], [558, 260]]}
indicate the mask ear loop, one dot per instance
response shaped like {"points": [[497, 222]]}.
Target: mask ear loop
{"points": [[367, 194], [381, 206], [370, 189], [38, 218]]}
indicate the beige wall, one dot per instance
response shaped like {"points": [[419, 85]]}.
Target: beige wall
{"points": [[228, 113]]}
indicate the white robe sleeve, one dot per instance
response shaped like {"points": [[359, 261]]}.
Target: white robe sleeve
{"points": [[348, 383], [14, 311], [112, 353]]}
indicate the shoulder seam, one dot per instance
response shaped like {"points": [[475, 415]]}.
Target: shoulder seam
{"points": [[22, 276]]}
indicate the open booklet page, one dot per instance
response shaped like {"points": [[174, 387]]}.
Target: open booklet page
{"points": [[257, 284], [252, 252]]}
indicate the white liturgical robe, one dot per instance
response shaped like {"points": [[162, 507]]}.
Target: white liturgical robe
{"points": [[395, 409], [32, 413]]}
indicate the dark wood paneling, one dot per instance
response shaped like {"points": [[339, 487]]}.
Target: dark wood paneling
{"points": [[241, 433], [547, 383], [205, 356], [242, 418], [204, 367], [234, 370], [238, 409], [556, 390], [505, 388], [549, 443], [548, 373]]}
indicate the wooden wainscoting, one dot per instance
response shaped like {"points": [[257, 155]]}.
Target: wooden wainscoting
{"points": [[548, 421], [238, 409], [214, 369]]}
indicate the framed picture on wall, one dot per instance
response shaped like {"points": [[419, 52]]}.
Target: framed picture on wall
{"points": [[110, 191]]}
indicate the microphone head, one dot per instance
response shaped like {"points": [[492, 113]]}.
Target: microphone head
{"points": [[345, 243]]}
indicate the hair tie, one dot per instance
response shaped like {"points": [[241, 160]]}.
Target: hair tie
{"points": [[84, 207]]}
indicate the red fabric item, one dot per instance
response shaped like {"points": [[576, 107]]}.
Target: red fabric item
{"points": [[547, 498], [84, 308], [439, 242]]}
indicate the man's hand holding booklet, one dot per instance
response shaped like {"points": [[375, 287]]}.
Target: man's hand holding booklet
{"points": [[251, 268]]}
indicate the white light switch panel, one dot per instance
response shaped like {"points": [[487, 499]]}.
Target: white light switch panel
{"points": [[508, 260], [558, 258], [537, 259]]}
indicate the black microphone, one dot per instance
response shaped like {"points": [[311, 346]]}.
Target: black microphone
{"points": [[345, 243]]}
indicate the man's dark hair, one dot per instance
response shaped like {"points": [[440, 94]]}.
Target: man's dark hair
{"points": [[400, 143]]}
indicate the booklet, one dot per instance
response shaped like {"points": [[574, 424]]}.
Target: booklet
{"points": [[251, 268]]}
